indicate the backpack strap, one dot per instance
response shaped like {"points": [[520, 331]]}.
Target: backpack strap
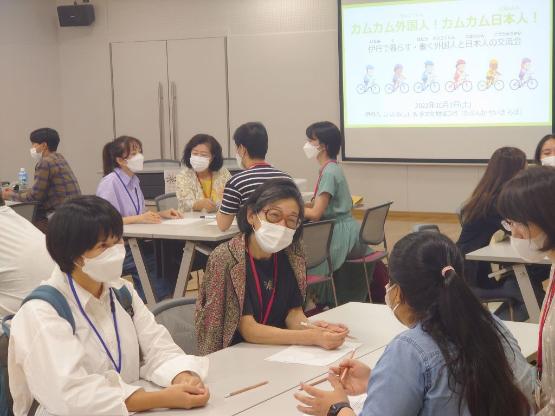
{"points": [[125, 299], [55, 298]]}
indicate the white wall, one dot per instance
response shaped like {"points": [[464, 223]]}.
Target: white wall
{"points": [[29, 79], [283, 71]]}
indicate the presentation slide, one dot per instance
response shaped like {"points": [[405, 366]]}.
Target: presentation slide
{"points": [[446, 64]]}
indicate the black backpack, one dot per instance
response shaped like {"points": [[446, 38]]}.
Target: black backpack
{"points": [[58, 301]]}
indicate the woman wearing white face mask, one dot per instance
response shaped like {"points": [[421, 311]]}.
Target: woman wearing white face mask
{"points": [[200, 187], [545, 151], [332, 200], [455, 358], [92, 370], [259, 279], [122, 158], [527, 203]]}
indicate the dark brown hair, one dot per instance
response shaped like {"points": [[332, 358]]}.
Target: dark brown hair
{"points": [[529, 198], [215, 150], [470, 339], [505, 163], [538, 152], [120, 147]]}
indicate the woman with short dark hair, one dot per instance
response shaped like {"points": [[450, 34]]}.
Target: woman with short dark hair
{"points": [[545, 151], [93, 369], [332, 200], [200, 187], [526, 203], [455, 358], [254, 286]]}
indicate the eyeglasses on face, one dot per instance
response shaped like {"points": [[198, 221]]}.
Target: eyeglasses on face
{"points": [[274, 216]]}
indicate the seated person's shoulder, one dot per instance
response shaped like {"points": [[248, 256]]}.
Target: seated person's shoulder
{"points": [[417, 343]]}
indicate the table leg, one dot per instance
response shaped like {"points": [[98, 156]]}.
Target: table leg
{"points": [[141, 269], [184, 269], [527, 291]]}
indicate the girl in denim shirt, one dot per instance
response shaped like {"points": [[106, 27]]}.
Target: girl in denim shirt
{"points": [[455, 359]]}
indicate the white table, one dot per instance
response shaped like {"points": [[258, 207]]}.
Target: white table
{"points": [[192, 234], [503, 253], [285, 404], [244, 364]]}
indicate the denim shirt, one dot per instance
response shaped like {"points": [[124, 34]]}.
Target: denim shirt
{"points": [[411, 378]]}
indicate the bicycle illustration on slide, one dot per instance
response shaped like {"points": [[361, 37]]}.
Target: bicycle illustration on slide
{"points": [[498, 84], [423, 86], [531, 83], [364, 87], [464, 85], [403, 87]]}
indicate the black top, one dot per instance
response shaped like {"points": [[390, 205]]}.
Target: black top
{"points": [[288, 295], [238, 189], [475, 235]]}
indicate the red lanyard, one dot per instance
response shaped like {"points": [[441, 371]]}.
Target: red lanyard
{"points": [[545, 312], [264, 314], [211, 186], [320, 176], [259, 164]]}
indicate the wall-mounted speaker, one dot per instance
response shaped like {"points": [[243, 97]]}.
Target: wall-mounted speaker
{"points": [[76, 15]]}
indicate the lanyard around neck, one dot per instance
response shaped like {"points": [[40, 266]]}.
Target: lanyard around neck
{"points": [[264, 314], [137, 205], [113, 307], [545, 312], [320, 176]]}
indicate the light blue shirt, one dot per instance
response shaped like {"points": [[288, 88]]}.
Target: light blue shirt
{"points": [[123, 192], [411, 378]]}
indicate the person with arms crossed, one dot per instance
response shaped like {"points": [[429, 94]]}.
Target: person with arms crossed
{"points": [[455, 358], [526, 203], [254, 286], [251, 141], [92, 370], [54, 180]]}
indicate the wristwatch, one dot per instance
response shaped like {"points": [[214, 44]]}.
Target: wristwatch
{"points": [[336, 408]]}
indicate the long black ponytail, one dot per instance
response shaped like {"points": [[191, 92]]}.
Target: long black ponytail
{"points": [[468, 336]]}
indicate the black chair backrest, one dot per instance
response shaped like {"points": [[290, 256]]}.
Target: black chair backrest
{"points": [[317, 240], [372, 230], [27, 210]]}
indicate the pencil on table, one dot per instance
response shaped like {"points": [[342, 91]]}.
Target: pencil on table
{"points": [[312, 326], [244, 389]]}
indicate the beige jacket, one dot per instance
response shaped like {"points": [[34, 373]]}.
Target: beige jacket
{"points": [[189, 190]]}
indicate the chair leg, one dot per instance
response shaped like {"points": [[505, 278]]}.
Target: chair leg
{"points": [[367, 282], [511, 311], [334, 292]]}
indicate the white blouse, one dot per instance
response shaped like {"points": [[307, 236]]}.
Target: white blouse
{"points": [[71, 374], [546, 391]]}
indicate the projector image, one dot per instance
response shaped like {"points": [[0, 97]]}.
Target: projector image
{"points": [[76, 15]]}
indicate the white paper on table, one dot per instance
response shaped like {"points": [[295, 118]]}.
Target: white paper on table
{"points": [[216, 223], [299, 354], [182, 221]]}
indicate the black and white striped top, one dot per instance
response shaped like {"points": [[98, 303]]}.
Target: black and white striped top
{"points": [[238, 189]]}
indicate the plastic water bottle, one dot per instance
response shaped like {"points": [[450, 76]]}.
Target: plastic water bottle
{"points": [[22, 178]]}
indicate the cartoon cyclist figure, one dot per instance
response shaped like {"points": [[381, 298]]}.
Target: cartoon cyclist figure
{"points": [[492, 77], [368, 82]]}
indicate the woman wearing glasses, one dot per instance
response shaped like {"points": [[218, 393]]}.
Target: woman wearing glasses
{"points": [[254, 286]]}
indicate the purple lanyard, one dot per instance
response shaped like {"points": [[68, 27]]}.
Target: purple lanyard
{"points": [[137, 205], [113, 307]]}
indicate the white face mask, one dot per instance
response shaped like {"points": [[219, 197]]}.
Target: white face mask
{"points": [[548, 161], [273, 237], [239, 160], [135, 163], [106, 267], [199, 163], [387, 300], [35, 155], [530, 249], [310, 150]]}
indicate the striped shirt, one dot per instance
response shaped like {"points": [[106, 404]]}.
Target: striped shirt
{"points": [[238, 189], [54, 184]]}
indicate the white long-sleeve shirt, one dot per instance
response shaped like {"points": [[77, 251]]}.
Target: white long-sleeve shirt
{"points": [[24, 260], [71, 374]]}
